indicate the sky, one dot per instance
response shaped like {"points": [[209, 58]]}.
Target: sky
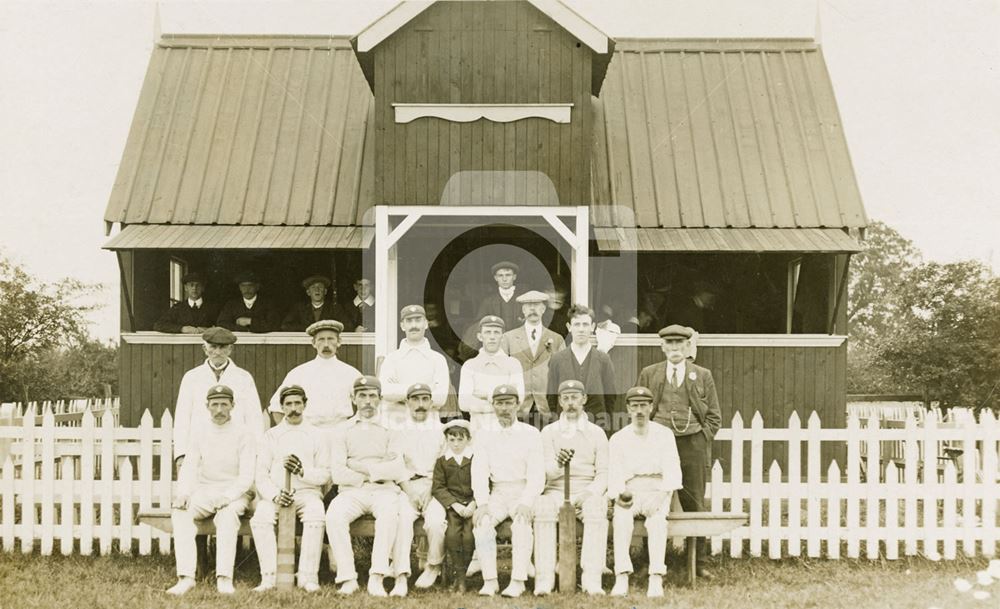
{"points": [[917, 83]]}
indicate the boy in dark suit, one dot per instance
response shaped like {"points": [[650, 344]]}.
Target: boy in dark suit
{"points": [[452, 487]]}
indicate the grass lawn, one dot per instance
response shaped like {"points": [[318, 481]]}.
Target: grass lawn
{"points": [[139, 582]]}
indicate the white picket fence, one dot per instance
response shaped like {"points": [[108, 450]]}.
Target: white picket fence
{"points": [[84, 485]]}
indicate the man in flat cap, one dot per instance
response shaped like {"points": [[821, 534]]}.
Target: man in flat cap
{"points": [[296, 447], [364, 466], [589, 365], [214, 482], [326, 379], [507, 478], [574, 440], [481, 374], [503, 301], [192, 315], [414, 362], [419, 442], [685, 401], [302, 314], [533, 345], [643, 471], [190, 413], [250, 312]]}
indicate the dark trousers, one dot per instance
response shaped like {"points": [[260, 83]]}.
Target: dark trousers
{"points": [[459, 544], [693, 452]]}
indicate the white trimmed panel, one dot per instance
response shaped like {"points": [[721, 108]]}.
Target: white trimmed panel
{"points": [[400, 15], [272, 338], [498, 113], [741, 340], [583, 30]]}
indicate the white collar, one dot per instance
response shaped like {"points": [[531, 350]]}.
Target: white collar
{"points": [[423, 345], [370, 301], [680, 368], [319, 306], [465, 454], [249, 302], [326, 361], [208, 363], [195, 303], [375, 420], [584, 351], [506, 293], [565, 426]]}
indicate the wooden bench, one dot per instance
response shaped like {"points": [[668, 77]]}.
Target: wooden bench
{"points": [[689, 525]]}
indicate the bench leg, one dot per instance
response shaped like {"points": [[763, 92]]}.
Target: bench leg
{"points": [[692, 543], [205, 563]]}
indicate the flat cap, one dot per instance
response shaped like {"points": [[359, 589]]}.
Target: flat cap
{"points": [[505, 391], [366, 382], [247, 277], [571, 385], [458, 423], [504, 264], [675, 331], [291, 390], [491, 320], [308, 281], [192, 277], [324, 324], [219, 391], [218, 336], [532, 296], [412, 310], [418, 389], [639, 393]]}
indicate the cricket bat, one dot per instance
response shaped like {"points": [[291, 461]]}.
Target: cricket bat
{"points": [[285, 576], [567, 539]]}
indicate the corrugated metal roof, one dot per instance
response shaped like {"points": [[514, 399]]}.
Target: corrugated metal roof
{"points": [[248, 130], [181, 236], [802, 240], [722, 133]]}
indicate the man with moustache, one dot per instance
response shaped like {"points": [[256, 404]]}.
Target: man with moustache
{"points": [[250, 312], [302, 314], [191, 315], [414, 362], [481, 374], [591, 366], [533, 345]]}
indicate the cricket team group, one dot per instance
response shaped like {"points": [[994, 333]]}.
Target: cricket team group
{"points": [[346, 445]]}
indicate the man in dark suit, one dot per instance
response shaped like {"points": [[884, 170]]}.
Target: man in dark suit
{"points": [[533, 344], [304, 314], [362, 309], [503, 302], [684, 399], [583, 362], [250, 312], [191, 315]]}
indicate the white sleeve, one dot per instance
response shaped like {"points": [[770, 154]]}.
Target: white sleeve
{"points": [[182, 416], [275, 404], [442, 381]]}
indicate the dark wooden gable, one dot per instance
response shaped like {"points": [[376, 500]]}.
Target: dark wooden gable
{"points": [[505, 52]]}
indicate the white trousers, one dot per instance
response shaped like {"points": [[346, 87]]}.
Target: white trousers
{"points": [[349, 505], [654, 505], [435, 525], [503, 500], [227, 529], [593, 556], [309, 508]]}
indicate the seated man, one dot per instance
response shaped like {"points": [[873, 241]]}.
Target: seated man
{"points": [[303, 314], [420, 442], [507, 478], [643, 471], [192, 315], [575, 440], [250, 312], [214, 481], [360, 463], [297, 447]]}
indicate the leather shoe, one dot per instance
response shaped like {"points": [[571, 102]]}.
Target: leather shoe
{"points": [[704, 573]]}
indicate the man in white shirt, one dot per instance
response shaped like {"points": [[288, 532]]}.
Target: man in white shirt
{"points": [[532, 344], [643, 471], [214, 482], [364, 467], [326, 380], [420, 442], [299, 448], [481, 374], [218, 369], [574, 440], [507, 478], [414, 362]]}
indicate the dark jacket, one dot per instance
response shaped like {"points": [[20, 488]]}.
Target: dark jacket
{"points": [[452, 483], [263, 315], [301, 316], [509, 311], [598, 377], [358, 316], [702, 397], [181, 314]]}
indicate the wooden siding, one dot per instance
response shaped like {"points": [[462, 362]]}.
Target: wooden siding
{"points": [[481, 52]]}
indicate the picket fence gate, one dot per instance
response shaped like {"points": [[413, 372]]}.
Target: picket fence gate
{"points": [[84, 485]]}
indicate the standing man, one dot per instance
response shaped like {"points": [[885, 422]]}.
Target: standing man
{"points": [[507, 478], [685, 401], [297, 447], [190, 413], [420, 442], [481, 374], [302, 314], [360, 464], [363, 311], [326, 379], [575, 440], [191, 315], [249, 312], [414, 362], [214, 481], [502, 302], [533, 345], [643, 471], [590, 366]]}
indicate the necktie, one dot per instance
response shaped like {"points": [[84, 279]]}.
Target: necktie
{"points": [[534, 334], [673, 377]]}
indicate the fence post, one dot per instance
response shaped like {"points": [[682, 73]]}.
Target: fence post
{"points": [[931, 489], [48, 481], [949, 530], [107, 488], [716, 492], [7, 512], [66, 515], [794, 485], [736, 483], [87, 484], [813, 526], [872, 483], [852, 490], [988, 483], [911, 473], [145, 479], [834, 529], [165, 484], [756, 483], [125, 507], [28, 481], [970, 471], [774, 511], [891, 512]]}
